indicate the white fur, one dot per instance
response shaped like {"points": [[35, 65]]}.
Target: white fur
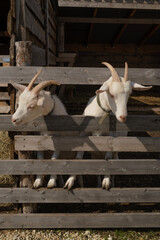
{"points": [[113, 97], [30, 107]]}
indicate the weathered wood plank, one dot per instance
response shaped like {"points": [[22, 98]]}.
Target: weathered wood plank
{"points": [[52, 45], [80, 220], [38, 56], [109, 20], [85, 195], [80, 167], [52, 32], [35, 8], [5, 109], [77, 75], [52, 59], [112, 4], [4, 96], [34, 26], [91, 143], [84, 123]]}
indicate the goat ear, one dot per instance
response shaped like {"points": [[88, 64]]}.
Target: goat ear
{"points": [[40, 101], [139, 87], [103, 88], [18, 86]]}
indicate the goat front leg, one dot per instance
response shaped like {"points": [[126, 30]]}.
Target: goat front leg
{"points": [[70, 181], [108, 180], [106, 183], [53, 178], [39, 179]]}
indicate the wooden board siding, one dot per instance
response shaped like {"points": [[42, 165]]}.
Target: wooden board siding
{"points": [[41, 31], [77, 75]]}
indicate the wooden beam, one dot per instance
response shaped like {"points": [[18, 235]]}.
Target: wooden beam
{"points": [[80, 167], [77, 75], [112, 4], [84, 123], [80, 195], [149, 34], [80, 220], [91, 143], [123, 28], [109, 20], [91, 27]]}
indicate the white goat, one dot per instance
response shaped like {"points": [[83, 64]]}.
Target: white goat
{"points": [[33, 103], [113, 96]]}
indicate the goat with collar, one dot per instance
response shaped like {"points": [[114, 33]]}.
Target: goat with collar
{"points": [[113, 97]]}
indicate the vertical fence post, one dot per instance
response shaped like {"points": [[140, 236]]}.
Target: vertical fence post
{"points": [[24, 58]]}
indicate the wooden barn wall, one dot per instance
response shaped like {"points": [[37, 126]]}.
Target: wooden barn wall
{"points": [[39, 26], [146, 56]]}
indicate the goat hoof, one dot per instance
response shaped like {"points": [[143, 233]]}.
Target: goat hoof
{"points": [[69, 184], [106, 183], [52, 183], [37, 183]]}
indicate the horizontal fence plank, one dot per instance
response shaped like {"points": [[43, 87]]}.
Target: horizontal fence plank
{"points": [[77, 75], [91, 143], [112, 4], [85, 195], [80, 167], [84, 123], [80, 220], [4, 109], [4, 96]]}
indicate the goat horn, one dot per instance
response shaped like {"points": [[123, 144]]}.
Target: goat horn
{"points": [[126, 72], [33, 80], [42, 85], [114, 74]]}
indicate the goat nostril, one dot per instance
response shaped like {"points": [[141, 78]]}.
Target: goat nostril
{"points": [[13, 120], [123, 118]]}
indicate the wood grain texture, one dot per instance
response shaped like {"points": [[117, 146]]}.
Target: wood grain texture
{"points": [[35, 8], [77, 75], [80, 220], [85, 195], [84, 123], [80, 167], [34, 26], [91, 143]]}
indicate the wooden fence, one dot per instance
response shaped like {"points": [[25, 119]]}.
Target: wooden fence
{"points": [[132, 144]]}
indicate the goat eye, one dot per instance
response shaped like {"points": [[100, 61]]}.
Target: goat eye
{"points": [[111, 95]]}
